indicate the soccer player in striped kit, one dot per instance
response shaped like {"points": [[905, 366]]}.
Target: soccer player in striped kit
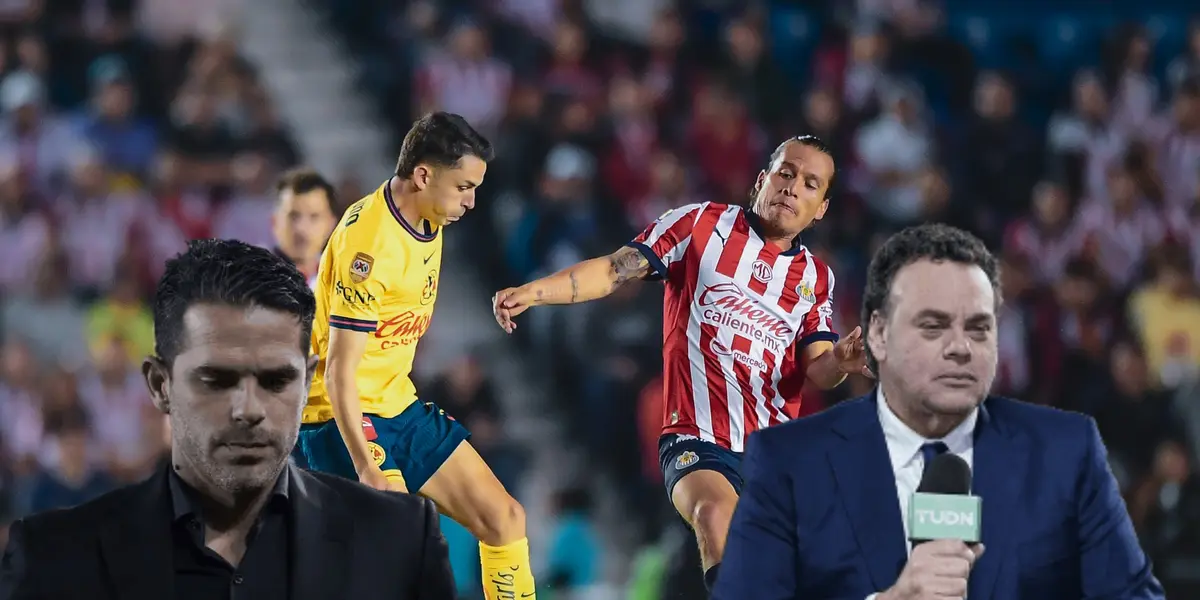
{"points": [[747, 319]]}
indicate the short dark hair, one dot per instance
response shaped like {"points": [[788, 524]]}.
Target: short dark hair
{"points": [[302, 180], [813, 142], [232, 273], [932, 241], [441, 139]]}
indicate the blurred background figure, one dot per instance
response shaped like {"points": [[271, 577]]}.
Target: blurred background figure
{"points": [[1066, 135]]}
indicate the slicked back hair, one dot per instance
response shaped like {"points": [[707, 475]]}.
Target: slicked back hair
{"points": [[232, 273]]}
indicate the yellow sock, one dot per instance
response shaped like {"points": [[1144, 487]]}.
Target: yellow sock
{"points": [[506, 572]]}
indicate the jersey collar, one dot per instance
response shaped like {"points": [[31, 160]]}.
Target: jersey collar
{"points": [[427, 233]]}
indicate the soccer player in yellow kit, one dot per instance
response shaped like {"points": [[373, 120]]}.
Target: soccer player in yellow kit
{"points": [[376, 288]]}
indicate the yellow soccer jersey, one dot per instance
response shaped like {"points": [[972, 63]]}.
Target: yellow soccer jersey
{"points": [[379, 275]]}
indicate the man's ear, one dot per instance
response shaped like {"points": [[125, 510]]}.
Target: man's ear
{"points": [[158, 379], [310, 371], [421, 176], [876, 338], [821, 211]]}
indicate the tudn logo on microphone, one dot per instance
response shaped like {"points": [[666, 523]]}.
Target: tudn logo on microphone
{"points": [[944, 517]]}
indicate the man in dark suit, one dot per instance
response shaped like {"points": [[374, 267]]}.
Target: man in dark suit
{"points": [[820, 516], [228, 518]]}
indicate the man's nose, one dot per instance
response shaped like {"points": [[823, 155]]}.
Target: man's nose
{"points": [[248, 405], [958, 347]]}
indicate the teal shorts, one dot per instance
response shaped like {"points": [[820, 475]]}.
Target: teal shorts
{"points": [[416, 442]]}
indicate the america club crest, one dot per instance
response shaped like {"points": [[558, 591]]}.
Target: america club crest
{"points": [[360, 267]]}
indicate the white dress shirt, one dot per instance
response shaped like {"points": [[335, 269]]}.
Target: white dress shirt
{"points": [[904, 449]]}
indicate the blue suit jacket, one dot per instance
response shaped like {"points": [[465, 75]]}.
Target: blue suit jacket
{"points": [[818, 518]]}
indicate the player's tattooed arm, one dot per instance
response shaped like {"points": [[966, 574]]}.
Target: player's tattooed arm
{"points": [[627, 264], [589, 280]]}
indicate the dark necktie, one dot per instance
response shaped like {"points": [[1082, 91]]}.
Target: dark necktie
{"points": [[930, 450]]}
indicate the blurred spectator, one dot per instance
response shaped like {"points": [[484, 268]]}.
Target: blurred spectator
{"points": [[95, 222], [1072, 334], [894, 149], [126, 142], [1187, 65], [466, 65], [1046, 237], [1080, 140], [1014, 368], [751, 71], [1119, 229], [1167, 508], [247, 214], [72, 479], [570, 74], [668, 188], [1136, 418], [122, 316], [627, 167], [726, 144], [25, 231], [664, 72], [42, 146], [126, 425], [1166, 316], [1175, 140], [21, 422], [46, 316], [865, 76], [999, 156], [465, 393], [1129, 73], [557, 227]]}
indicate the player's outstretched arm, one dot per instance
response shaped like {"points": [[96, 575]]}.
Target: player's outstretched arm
{"points": [[588, 280]]}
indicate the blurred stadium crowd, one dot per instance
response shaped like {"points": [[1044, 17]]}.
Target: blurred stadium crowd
{"points": [[1068, 139]]}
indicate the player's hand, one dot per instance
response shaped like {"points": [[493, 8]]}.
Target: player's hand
{"points": [[372, 476], [851, 354], [936, 570], [509, 303]]}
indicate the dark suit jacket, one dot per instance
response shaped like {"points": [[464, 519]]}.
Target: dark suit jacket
{"points": [[818, 518], [349, 541]]}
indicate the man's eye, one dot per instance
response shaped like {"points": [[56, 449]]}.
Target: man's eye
{"points": [[275, 384], [217, 382]]}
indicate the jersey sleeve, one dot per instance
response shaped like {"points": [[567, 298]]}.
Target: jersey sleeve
{"points": [[666, 240], [818, 321], [357, 290]]}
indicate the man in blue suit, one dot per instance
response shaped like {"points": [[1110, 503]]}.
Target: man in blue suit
{"points": [[820, 514]]}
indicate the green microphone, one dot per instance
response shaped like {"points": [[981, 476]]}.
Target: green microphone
{"points": [[942, 507]]}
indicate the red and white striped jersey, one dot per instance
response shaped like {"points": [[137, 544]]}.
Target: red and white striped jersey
{"points": [[736, 314]]}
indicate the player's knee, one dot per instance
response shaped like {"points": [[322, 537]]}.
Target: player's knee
{"points": [[501, 522], [710, 518]]}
